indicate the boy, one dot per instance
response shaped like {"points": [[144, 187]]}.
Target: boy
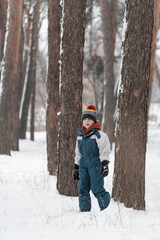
{"points": [[91, 161]]}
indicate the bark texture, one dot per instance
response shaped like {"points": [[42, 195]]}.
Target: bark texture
{"points": [[54, 16], [131, 131], [17, 90], [9, 74], [109, 10], [71, 93]]}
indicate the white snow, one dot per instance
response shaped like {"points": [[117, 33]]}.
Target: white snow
{"points": [[154, 114], [61, 45], [119, 84], [32, 209]]}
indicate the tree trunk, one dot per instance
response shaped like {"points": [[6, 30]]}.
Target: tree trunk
{"points": [[20, 66], [27, 40], [131, 130], [109, 10], [31, 72], [157, 73], [2, 26], [71, 91], [34, 64], [153, 52], [54, 16], [9, 74], [18, 86], [25, 67], [32, 110]]}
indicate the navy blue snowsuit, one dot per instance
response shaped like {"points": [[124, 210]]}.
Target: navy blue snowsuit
{"points": [[91, 149]]}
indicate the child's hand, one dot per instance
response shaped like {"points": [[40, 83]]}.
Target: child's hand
{"points": [[76, 172], [105, 168]]}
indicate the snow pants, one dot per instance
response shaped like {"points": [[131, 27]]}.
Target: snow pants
{"points": [[91, 179]]}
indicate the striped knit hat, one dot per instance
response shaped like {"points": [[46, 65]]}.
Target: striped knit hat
{"points": [[90, 112]]}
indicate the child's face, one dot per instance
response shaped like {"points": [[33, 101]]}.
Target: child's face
{"points": [[87, 123]]}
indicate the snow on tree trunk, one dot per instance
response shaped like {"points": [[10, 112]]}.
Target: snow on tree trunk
{"points": [[71, 92], [54, 16], [109, 10], [9, 74], [131, 130]]}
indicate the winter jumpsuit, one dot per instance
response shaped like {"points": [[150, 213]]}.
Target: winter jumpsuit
{"points": [[91, 150]]}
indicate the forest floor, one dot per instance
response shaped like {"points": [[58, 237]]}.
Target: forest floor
{"points": [[32, 209]]}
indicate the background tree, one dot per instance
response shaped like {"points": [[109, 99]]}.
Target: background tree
{"points": [[93, 59], [131, 130], [28, 12], [2, 26], [157, 73], [109, 11], [153, 52], [72, 44], [54, 16], [31, 72], [9, 74], [34, 64], [17, 90]]}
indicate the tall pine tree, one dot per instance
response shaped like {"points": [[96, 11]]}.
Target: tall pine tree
{"points": [[131, 130], [72, 44], [9, 74]]}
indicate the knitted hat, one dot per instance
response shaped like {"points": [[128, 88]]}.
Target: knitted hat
{"points": [[90, 112]]}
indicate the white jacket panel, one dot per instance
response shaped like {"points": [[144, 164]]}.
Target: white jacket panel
{"points": [[104, 146], [77, 153]]}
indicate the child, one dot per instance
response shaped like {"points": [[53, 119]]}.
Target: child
{"points": [[91, 161]]}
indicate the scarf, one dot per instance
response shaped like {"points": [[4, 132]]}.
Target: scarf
{"points": [[96, 125]]}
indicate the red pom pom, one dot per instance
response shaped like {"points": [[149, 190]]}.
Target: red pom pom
{"points": [[91, 107]]}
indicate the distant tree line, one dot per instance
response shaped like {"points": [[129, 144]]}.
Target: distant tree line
{"points": [[20, 22]]}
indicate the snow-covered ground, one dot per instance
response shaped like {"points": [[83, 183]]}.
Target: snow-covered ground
{"points": [[32, 209]]}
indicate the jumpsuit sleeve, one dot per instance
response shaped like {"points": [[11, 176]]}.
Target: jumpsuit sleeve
{"points": [[104, 146], [77, 154]]}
